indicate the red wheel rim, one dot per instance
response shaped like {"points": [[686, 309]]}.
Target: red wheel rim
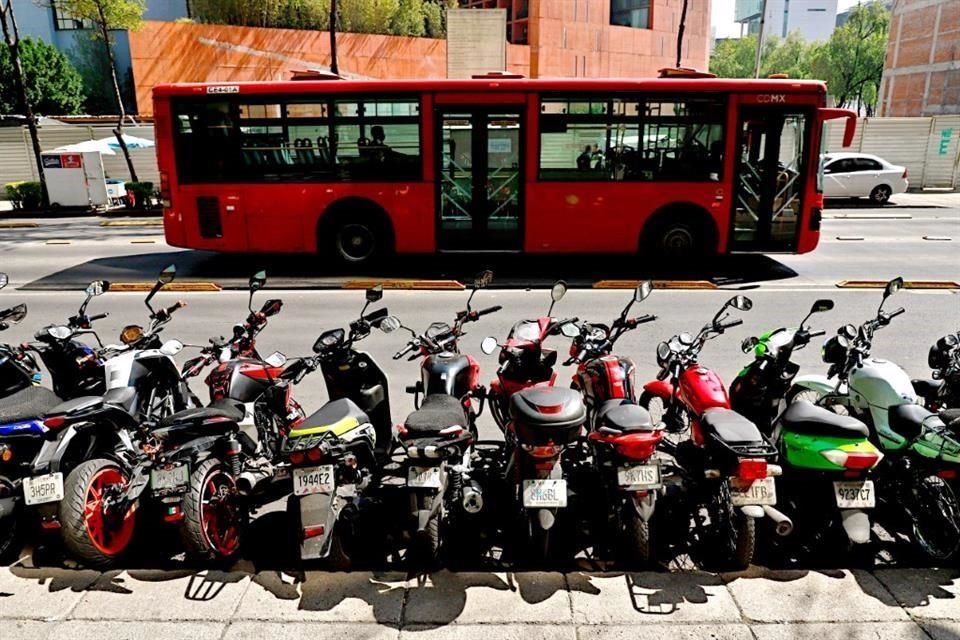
{"points": [[109, 533], [220, 513]]}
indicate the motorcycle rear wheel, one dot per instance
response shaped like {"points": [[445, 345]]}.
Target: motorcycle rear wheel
{"points": [[214, 515], [936, 526], [95, 538], [636, 540], [732, 542]]}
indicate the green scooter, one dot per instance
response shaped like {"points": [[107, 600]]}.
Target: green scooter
{"points": [[827, 459]]}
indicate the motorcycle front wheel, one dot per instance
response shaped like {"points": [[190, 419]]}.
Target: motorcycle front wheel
{"points": [[91, 532], [214, 516]]}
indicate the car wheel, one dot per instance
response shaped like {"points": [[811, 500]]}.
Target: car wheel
{"points": [[880, 194]]}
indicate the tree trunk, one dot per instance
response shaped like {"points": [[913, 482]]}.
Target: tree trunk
{"points": [[334, 69], [12, 37], [680, 30], [118, 132]]}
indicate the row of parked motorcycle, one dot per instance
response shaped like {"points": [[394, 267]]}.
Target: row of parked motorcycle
{"points": [[780, 463]]}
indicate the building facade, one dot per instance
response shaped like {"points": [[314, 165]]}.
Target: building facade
{"points": [[921, 75], [814, 19]]}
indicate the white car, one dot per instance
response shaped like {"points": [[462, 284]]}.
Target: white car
{"points": [[861, 175]]}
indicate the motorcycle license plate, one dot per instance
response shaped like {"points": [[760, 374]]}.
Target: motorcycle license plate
{"points": [[641, 476], [855, 495], [43, 489], [423, 478], [760, 492], [171, 478], [307, 480], [539, 494]]}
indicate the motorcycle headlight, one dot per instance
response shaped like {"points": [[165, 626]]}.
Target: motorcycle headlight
{"points": [[131, 333]]}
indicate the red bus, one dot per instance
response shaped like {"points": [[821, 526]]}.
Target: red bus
{"points": [[358, 169]]}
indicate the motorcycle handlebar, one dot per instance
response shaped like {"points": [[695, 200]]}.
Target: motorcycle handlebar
{"points": [[489, 310], [731, 324], [893, 314], [816, 334], [634, 322], [176, 306], [407, 349], [99, 316]]}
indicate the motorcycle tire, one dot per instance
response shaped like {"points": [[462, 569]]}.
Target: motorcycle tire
{"points": [[424, 552], [96, 539], [636, 543], [936, 522], [10, 538], [214, 516], [733, 543]]}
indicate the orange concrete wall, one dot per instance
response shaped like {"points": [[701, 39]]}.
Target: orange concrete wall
{"points": [[165, 52], [921, 74]]}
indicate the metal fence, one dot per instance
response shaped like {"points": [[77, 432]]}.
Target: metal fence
{"points": [[928, 147]]}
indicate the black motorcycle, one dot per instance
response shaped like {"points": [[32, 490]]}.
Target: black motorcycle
{"points": [[941, 392]]}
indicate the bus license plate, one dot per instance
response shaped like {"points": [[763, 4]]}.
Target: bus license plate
{"points": [[43, 489], [308, 480], [539, 494], [643, 476], [172, 478], [423, 478], [855, 495], [760, 492]]}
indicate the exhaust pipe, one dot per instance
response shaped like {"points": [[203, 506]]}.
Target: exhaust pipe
{"points": [[783, 523], [250, 481], [472, 498]]}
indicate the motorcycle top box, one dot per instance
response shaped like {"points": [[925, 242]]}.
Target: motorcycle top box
{"points": [[543, 415]]}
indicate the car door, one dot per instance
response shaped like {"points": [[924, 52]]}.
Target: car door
{"points": [[835, 178], [868, 175]]}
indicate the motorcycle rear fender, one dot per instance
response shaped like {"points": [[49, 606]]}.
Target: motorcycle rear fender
{"points": [[659, 388], [7, 506], [430, 506], [101, 436], [317, 510], [856, 524], [545, 518], [815, 382], [644, 505]]}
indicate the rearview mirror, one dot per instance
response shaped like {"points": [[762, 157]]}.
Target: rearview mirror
{"points": [[488, 345], [171, 348], [389, 324], [271, 307], [821, 305], [892, 287], [742, 303], [375, 294], [483, 279], [570, 330], [258, 281], [97, 287], [168, 274], [275, 359], [3, 280], [558, 291], [642, 291], [16, 314]]}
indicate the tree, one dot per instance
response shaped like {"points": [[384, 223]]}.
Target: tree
{"points": [[110, 15], [53, 86]]}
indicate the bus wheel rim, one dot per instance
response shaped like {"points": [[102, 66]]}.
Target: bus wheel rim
{"points": [[219, 513], [356, 241], [678, 239], [110, 534]]}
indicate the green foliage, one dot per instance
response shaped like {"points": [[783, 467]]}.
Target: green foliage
{"points": [[851, 62], [118, 14], [24, 195], [392, 17], [54, 87], [91, 62]]}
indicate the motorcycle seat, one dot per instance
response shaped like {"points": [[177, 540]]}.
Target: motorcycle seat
{"points": [[729, 426], [624, 416], [337, 417], [32, 402], [228, 409], [909, 419], [438, 412], [927, 388], [807, 418]]}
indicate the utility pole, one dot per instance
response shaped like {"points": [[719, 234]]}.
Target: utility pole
{"points": [[763, 18], [12, 37], [333, 38]]}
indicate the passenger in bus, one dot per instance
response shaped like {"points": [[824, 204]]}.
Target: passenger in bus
{"points": [[585, 158]]}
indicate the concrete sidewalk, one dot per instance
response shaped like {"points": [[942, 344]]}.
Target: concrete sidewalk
{"points": [[892, 604], [947, 199]]}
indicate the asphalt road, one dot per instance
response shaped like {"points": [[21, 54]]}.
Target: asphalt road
{"points": [[862, 243]]}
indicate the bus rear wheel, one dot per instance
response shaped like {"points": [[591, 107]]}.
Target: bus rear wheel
{"points": [[355, 240], [677, 234]]}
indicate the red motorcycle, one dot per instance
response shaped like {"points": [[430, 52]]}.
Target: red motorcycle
{"points": [[539, 421], [726, 462], [622, 439]]}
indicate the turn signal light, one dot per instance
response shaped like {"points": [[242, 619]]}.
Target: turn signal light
{"points": [[752, 469], [297, 457], [54, 422], [314, 455], [6, 453]]}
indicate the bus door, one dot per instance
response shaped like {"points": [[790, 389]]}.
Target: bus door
{"points": [[769, 175], [479, 177]]}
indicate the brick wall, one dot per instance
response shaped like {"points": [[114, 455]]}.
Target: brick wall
{"points": [[921, 74]]}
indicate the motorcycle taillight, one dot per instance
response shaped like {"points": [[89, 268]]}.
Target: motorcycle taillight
{"points": [[542, 451], [297, 457], [752, 469], [315, 455]]}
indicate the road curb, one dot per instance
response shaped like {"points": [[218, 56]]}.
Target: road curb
{"points": [[868, 216], [175, 287], [908, 284], [18, 225], [131, 223], [397, 283], [657, 284]]}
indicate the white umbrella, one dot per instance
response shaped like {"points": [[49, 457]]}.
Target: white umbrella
{"points": [[132, 142], [88, 145]]}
